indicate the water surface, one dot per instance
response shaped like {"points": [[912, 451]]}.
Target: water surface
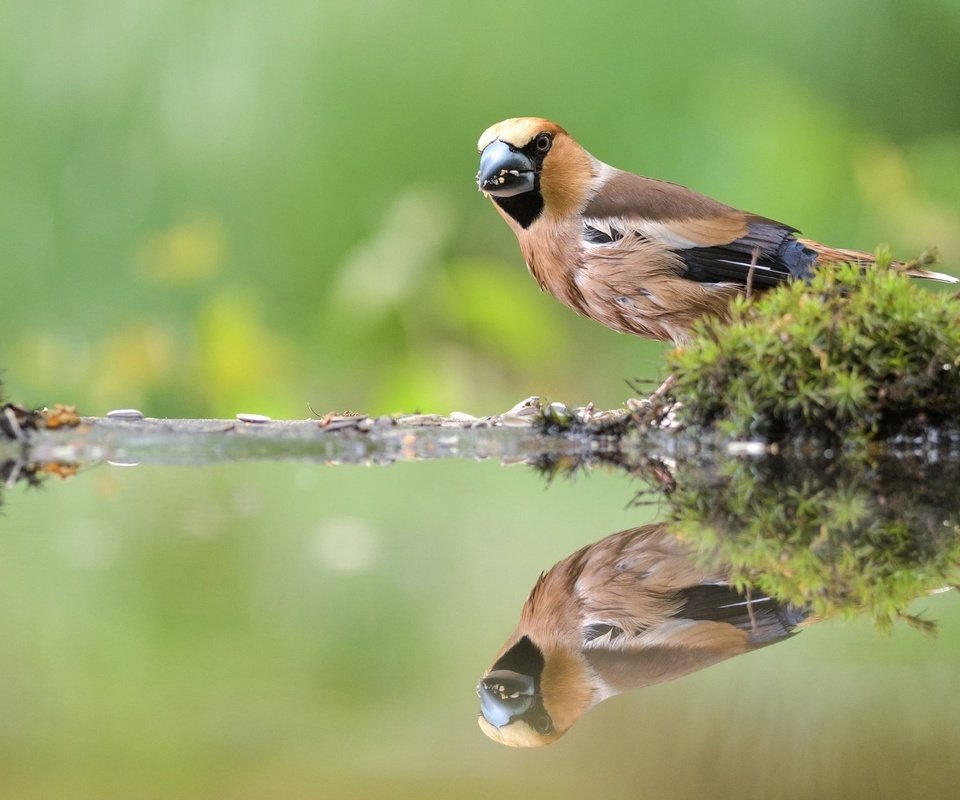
{"points": [[295, 629]]}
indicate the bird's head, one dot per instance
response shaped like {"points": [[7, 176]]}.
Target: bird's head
{"points": [[529, 700], [529, 164]]}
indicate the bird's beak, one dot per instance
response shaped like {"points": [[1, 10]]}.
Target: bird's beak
{"points": [[505, 171], [505, 694]]}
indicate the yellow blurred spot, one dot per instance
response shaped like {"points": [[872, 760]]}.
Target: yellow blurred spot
{"points": [[889, 184], [131, 362], [882, 172], [144, 353], [240, 359], [187, 253]]}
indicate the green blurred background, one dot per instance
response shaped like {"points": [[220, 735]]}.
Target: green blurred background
{"points": [[209, 207]]}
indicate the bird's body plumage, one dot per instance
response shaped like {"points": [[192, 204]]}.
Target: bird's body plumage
{"points": [[637, 254], [633, 609]]}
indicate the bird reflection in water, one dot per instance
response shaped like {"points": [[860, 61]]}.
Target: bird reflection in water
{"points": [[633, 609]]}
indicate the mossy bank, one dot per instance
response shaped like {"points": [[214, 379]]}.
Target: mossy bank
{"points": [[854, 355]]}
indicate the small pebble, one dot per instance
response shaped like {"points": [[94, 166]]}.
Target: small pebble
{"points": [[125, 413], [529, 406], [559, 414], [253, 418], [516, 420], [607, 416], [413, 419]]}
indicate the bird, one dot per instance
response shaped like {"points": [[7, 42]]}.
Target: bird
{"points": [[636, 608], [639, 255]]}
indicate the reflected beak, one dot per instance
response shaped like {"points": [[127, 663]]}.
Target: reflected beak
{"points": [[504, 171], [505, 694]]}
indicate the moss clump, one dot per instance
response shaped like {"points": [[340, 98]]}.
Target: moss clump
{"points": [[854, 353], [837, 537]]}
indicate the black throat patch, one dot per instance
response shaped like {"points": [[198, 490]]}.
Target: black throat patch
{"points": [[524, 208], [524, 657]]}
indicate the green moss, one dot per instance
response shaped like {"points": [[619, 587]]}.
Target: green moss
{"points": [[853, 355], [845, 362], [838, 537]]}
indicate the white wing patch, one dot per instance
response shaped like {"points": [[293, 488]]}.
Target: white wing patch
{"points": [[598, 232], [662, 232], [613, 229]]}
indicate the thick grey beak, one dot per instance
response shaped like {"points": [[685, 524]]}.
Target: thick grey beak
{"points": [[505, 171], [505, 695]]}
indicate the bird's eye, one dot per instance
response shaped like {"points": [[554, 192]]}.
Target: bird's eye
{"points": [[542, 143], [543, 724]]}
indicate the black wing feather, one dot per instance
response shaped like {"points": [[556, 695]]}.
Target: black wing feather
{"points": [[770, 248], [761, 616]]}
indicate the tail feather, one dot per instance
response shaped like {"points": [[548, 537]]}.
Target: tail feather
{"points": [[930, 275], [915, 268]]}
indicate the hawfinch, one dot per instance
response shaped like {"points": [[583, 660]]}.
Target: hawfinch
{"points": [[636, 254], [633, 609]]}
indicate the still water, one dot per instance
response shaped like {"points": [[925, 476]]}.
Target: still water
{"points": [[273, 630]]}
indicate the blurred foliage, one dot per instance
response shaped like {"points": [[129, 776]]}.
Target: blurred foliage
{"points": [[852, 356], [215, 206]]}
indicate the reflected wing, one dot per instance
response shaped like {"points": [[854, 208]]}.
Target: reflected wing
{"points": [[713, 622], [625, 668]]}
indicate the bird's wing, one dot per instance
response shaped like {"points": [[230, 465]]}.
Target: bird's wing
{"points": [[763, 618], [651, 611], [650, 618], [714, 243], [713, 624], [624, 669]]}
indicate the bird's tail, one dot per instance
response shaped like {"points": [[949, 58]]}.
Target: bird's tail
{"points": [[915, 268]]}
